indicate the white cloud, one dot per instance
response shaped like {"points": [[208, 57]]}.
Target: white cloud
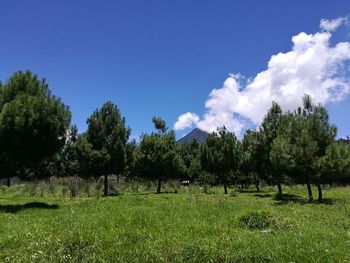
{"points": [[186, 120], [331, 25], [313, 66], [212, 120]]}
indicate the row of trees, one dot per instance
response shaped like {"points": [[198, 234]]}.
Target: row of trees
{"points": [[297, 147], [37, 142]]}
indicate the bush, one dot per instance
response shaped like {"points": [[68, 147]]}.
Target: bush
{"points": [[73, 183], [264, 220], [206, 188], [234, 194]]}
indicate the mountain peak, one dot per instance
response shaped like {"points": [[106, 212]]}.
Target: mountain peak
{"points": [[196, 134]]}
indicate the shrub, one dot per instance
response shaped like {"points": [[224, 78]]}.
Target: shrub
{"points": [[264, 220], [206, 188], [234, 194]]}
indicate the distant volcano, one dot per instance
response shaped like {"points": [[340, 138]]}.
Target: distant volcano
{"points": [[197, 134]]}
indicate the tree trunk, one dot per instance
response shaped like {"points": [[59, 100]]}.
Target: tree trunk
{"points": [[320, 197], [159, 185], [256, 181], [279, 186], [105, 189], [309, 190], [225, 184], [225, 187], [257, 186], [8, 183], [73, 192]]}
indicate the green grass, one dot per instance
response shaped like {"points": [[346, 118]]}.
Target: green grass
{"points": [[187, 226]]}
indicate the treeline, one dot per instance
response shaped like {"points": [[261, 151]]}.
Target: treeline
{"points": [[37, 141]]}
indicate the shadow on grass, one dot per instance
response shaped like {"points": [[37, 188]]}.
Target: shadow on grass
{"points": [[154, 193], [290, 198], [17, 208], [148, 193], [113, 194], [165, 192], [261, 195], [240, 190]]}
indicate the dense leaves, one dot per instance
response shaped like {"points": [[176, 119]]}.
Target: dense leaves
{"points": [[33, 122], [269, 131], [157, 156], [302, 141], [251, 158], [107, 133], [219, 155], [189, 153]]}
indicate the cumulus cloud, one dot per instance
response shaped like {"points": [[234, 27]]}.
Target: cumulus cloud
{"points": [[331, 25], [313, 66], [186, 120]]}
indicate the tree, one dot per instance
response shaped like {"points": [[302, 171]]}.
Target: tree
{"points": [[269, 131], [189, 153], [219, 155], [131, 148], [318, 132], [251, 152], [159, 124], [69, 153], [90, 161], [108, 136], [302, 142], [33, 123], [157, 156], [334, 166]]}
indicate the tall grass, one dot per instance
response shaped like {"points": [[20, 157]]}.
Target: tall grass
{"points": [[185, 224]]}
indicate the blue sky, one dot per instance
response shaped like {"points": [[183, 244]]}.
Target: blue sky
{"points": [[156, 57]]}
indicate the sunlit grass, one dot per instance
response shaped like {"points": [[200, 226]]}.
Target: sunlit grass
{"points": [[187, 226]]}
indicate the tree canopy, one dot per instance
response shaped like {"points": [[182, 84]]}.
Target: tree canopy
{"points": [[302, 141], [33, 122], [107, 133], [157, 156], [219, 155]]}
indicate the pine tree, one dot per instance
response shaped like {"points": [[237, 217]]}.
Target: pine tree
{"points": [[157, 156], [107, 133], [33, 123], [269, 131], [219, 155]]}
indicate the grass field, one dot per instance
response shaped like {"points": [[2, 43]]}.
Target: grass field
{"points": [[187, 226]]}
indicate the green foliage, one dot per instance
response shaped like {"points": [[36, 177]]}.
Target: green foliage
{"points": [[70, 154], [251, 153], [189, 153], [269, 130], [219, 155], [90, 160], [108, 135], [131, 148], [302, 141], [158, 158], [33, 122], [334, 166], [159, 124]]}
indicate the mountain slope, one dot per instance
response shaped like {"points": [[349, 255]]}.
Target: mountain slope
{"points": [[197, 134]]}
